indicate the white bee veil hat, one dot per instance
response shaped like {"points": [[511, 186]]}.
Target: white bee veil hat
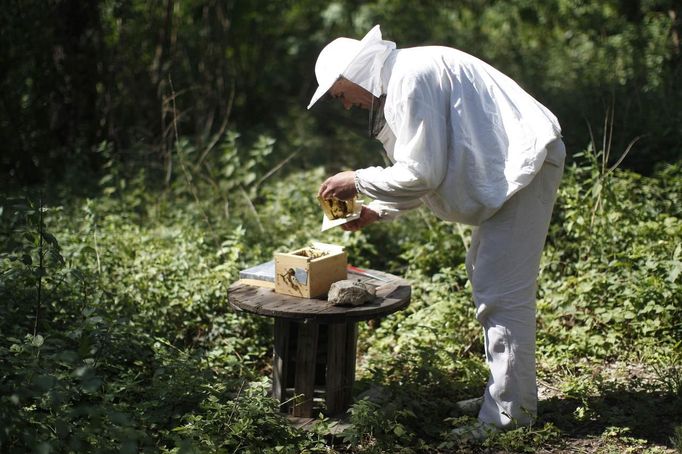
{"points": [[359, 61]]}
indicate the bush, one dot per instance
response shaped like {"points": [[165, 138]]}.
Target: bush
{"points": [[116, 334]]}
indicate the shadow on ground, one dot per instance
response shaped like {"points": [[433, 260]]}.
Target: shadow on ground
{"points": [[645, 415]]}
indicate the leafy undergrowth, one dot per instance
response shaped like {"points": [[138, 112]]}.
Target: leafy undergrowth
{"points": [[116, 336]]}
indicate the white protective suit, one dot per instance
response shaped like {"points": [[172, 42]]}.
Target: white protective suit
{"points": [[473, 146]]}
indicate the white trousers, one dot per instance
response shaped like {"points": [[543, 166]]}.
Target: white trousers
{"points": [[502, 264]]}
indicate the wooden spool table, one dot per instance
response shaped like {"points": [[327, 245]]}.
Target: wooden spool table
{"points": [[315, 342]]}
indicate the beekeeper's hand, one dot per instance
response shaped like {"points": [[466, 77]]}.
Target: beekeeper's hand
{"points": [[367, 217], [341, 186]]}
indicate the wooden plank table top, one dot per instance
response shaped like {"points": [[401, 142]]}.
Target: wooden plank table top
{"points": [[392, 294]]}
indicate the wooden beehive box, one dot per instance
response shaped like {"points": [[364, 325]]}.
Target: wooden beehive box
{"points": [[309, 272]]}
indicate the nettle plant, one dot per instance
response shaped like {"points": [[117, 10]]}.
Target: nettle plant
{"points": [[117, 336], [611, 267], [31, 261]]}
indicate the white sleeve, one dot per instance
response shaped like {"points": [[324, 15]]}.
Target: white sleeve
{"points": [[390, 210], [420, 153]]}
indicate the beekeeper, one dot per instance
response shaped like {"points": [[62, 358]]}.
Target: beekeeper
{"points": [[469, 143]]}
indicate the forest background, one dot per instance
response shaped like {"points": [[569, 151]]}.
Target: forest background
{"points": [[151, 149]]}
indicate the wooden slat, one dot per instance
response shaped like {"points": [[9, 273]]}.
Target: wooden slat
{"points": [[321, 359], [304, 382], [280, 360], [301, 423], [332, 426], [349, 363], [336, 379]]}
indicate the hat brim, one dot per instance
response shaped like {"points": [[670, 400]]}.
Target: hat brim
{"points": [[320, 92], [374, 33]]}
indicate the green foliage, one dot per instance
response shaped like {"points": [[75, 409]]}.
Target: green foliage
{"points": [[614, 278], [249, 423], [140, 72], [677, 439], [522, 439], [115, 333], [525, 439]]}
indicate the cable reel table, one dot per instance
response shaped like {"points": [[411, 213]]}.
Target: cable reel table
{"points": [[315, 342]]}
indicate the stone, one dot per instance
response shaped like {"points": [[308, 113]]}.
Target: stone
{"points": [[350, 293], [469, 407], [376, 394]]}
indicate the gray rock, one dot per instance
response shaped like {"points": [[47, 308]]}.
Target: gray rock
{"points": [[376, 394], [350, 293], [469, 407]]}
